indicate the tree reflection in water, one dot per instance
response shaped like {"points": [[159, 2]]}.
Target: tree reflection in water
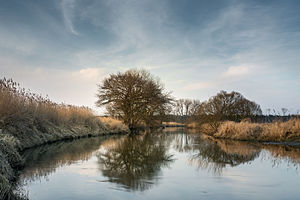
{"points": [[213, 154], [44, 160], [216, 154], [134, 162], [280, 154]]}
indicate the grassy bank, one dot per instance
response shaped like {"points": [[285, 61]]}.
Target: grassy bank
{"points": [[288, 131], [28, 120], [114, 124]]}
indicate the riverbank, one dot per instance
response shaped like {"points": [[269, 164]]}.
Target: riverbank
{"points": [[16, 138], [22, 136], [277, 132], [28, 120]]}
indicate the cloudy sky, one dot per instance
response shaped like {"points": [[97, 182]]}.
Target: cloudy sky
{"points": [[63, 48]]}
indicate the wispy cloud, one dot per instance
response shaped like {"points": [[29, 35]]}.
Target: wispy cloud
{"points": [[67, 7], [237, 71], [89, 74]]}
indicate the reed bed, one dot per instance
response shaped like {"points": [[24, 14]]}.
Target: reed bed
{"points": [[288, 131], [28, 119], [114, 124], [173, 124], [33, 119], [17, 104], [192, 125]]}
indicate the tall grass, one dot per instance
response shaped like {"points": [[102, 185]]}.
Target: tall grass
{"points": [[17, 104], [173, 124], [114, 124], [28, 119], [275, 132]]}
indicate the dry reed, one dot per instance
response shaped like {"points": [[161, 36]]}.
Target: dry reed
{"points": [[173, 124], [192, 125], [28, 119], [114, 124], [17, 104], [275, 132]]}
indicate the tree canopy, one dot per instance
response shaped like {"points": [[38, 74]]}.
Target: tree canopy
{"points": [[135, 97], [227, 106]]}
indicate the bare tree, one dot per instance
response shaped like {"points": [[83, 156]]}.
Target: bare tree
{"points": [[194, 107], [186, 107], [179, 107], [284, 111], [134, 96], [226, 106]]}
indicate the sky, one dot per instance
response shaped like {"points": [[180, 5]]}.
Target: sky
{"points": [[64, 48]]}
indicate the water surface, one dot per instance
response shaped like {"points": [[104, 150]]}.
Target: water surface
{"points": [[171, 164]]}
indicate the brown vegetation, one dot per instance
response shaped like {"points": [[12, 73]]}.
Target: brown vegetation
{"points": [[226, 106], [192, 125], [114, 124], [172, 124], [18, 104], [275, 132], [229, 115], [28, 119], [186, 107], [135, 97], [32, 119]]}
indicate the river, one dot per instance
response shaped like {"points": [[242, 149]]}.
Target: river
{"points": [[168, 164]]}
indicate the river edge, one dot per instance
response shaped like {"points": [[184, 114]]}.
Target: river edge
{"points": [[243, 150], [11, 147], [281, 132], [16, 139]]}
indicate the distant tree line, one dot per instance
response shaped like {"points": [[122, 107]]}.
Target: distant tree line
{"points": [[186, 109], [225, 106], [221, 107]]}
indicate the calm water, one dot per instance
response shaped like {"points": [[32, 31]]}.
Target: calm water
{"points": [[163, 165]]}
